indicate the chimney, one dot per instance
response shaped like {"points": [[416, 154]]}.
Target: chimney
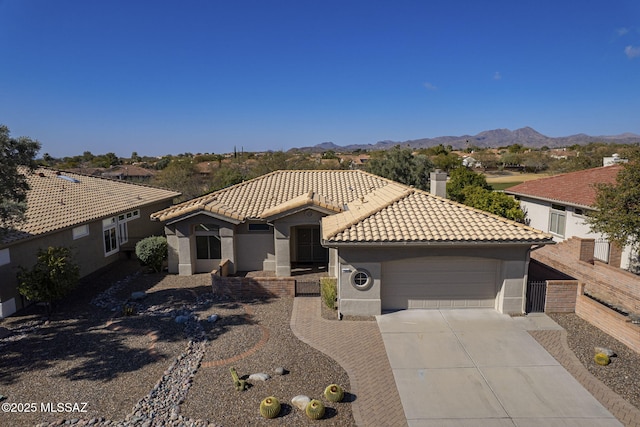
{"points": [[438, 183]]}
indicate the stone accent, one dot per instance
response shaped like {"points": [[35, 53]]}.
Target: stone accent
{"points": [[561, 296]]}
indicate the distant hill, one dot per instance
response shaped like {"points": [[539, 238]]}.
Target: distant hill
{"points": [[526, 136]]}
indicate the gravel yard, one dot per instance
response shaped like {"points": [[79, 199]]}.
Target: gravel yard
{"points": [[132, 369], [129, 369], [622, 375]]}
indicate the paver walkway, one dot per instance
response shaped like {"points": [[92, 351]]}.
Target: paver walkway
{"points": [[358, 347]]}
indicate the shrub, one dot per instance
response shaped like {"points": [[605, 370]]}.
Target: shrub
{"points": [[53, 276], [152, 251], [329, 291]]}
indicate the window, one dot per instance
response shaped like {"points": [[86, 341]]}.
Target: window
{"points": [[578, 211], [557, 219], [208, 241], [361, 280], [80, 231], [110, 236], [5, 256], [123, 232], [259, 226], [123, 227]]}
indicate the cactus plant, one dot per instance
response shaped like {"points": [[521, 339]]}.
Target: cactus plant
{"points": [[270, 407], [314, 409], [334, 393], [602, 359], [239, 384]]}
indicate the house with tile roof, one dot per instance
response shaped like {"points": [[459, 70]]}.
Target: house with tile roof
{"points": [[98, 218], [559, 204], [389, 246]]}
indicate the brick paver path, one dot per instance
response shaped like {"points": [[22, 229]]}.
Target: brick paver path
{"points": [[358, 347], [555, 342]]}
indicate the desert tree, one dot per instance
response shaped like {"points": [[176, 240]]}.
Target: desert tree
{"points": [[15, 153], [399, 164], [617, 206]]}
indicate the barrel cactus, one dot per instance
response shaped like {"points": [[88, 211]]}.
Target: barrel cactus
{"points": [[602, 359], [270, 407], [315, 409], [334, 393]]}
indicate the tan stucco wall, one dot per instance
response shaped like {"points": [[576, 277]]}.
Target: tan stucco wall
{"points": [[282, 237], [511, 283], [88, 251], [182, 244]]}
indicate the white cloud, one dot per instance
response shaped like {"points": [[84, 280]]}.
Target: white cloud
{"points": [[430, 86], [497, 76], [632, 51], [622, 31]]}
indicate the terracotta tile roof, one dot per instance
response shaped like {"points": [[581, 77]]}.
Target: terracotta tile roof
{"points": [[252, 198], [303, 201], [59, 201], [414, 216], [574, 188], [373, 209]]}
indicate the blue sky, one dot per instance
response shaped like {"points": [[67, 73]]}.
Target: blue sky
{"points": [[168, 77]]}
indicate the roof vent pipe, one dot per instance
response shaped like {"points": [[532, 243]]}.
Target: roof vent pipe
{"points": [[438, 183]]}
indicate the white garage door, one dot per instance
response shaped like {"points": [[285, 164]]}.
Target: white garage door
{"points": [[439, 282]]}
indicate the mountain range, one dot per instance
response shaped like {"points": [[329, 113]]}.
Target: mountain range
{"points": [[525, 136]]}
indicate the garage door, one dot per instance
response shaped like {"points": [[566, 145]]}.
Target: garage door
{"points": [[439, 282]]}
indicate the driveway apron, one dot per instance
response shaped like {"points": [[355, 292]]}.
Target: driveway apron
{"points": [[482, 368]]}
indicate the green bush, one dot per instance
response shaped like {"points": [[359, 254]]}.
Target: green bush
{"points": [[53, 276], [329, 291], [152, 251]]}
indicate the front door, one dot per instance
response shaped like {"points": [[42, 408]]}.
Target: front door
{"points": [[309, 248]]}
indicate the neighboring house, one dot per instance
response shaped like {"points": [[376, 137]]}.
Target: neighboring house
{"points": [[470, 162], [389, 246], [559, 204], [613, 160], [129, 173], [96, 217]]}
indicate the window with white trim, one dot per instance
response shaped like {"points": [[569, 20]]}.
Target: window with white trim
{"points": [[208, 244], [123, 227], [110, 235], [557, 220], [123, 232], [80, 231]]}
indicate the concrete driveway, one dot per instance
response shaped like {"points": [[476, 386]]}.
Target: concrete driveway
{"points": [[481, 368]]}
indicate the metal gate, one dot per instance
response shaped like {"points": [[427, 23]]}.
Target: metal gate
{"points": [[307, 288], [536, 296]]}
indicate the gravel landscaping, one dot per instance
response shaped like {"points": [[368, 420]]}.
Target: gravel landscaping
{"points": [[168, 364], [622, 375]]}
